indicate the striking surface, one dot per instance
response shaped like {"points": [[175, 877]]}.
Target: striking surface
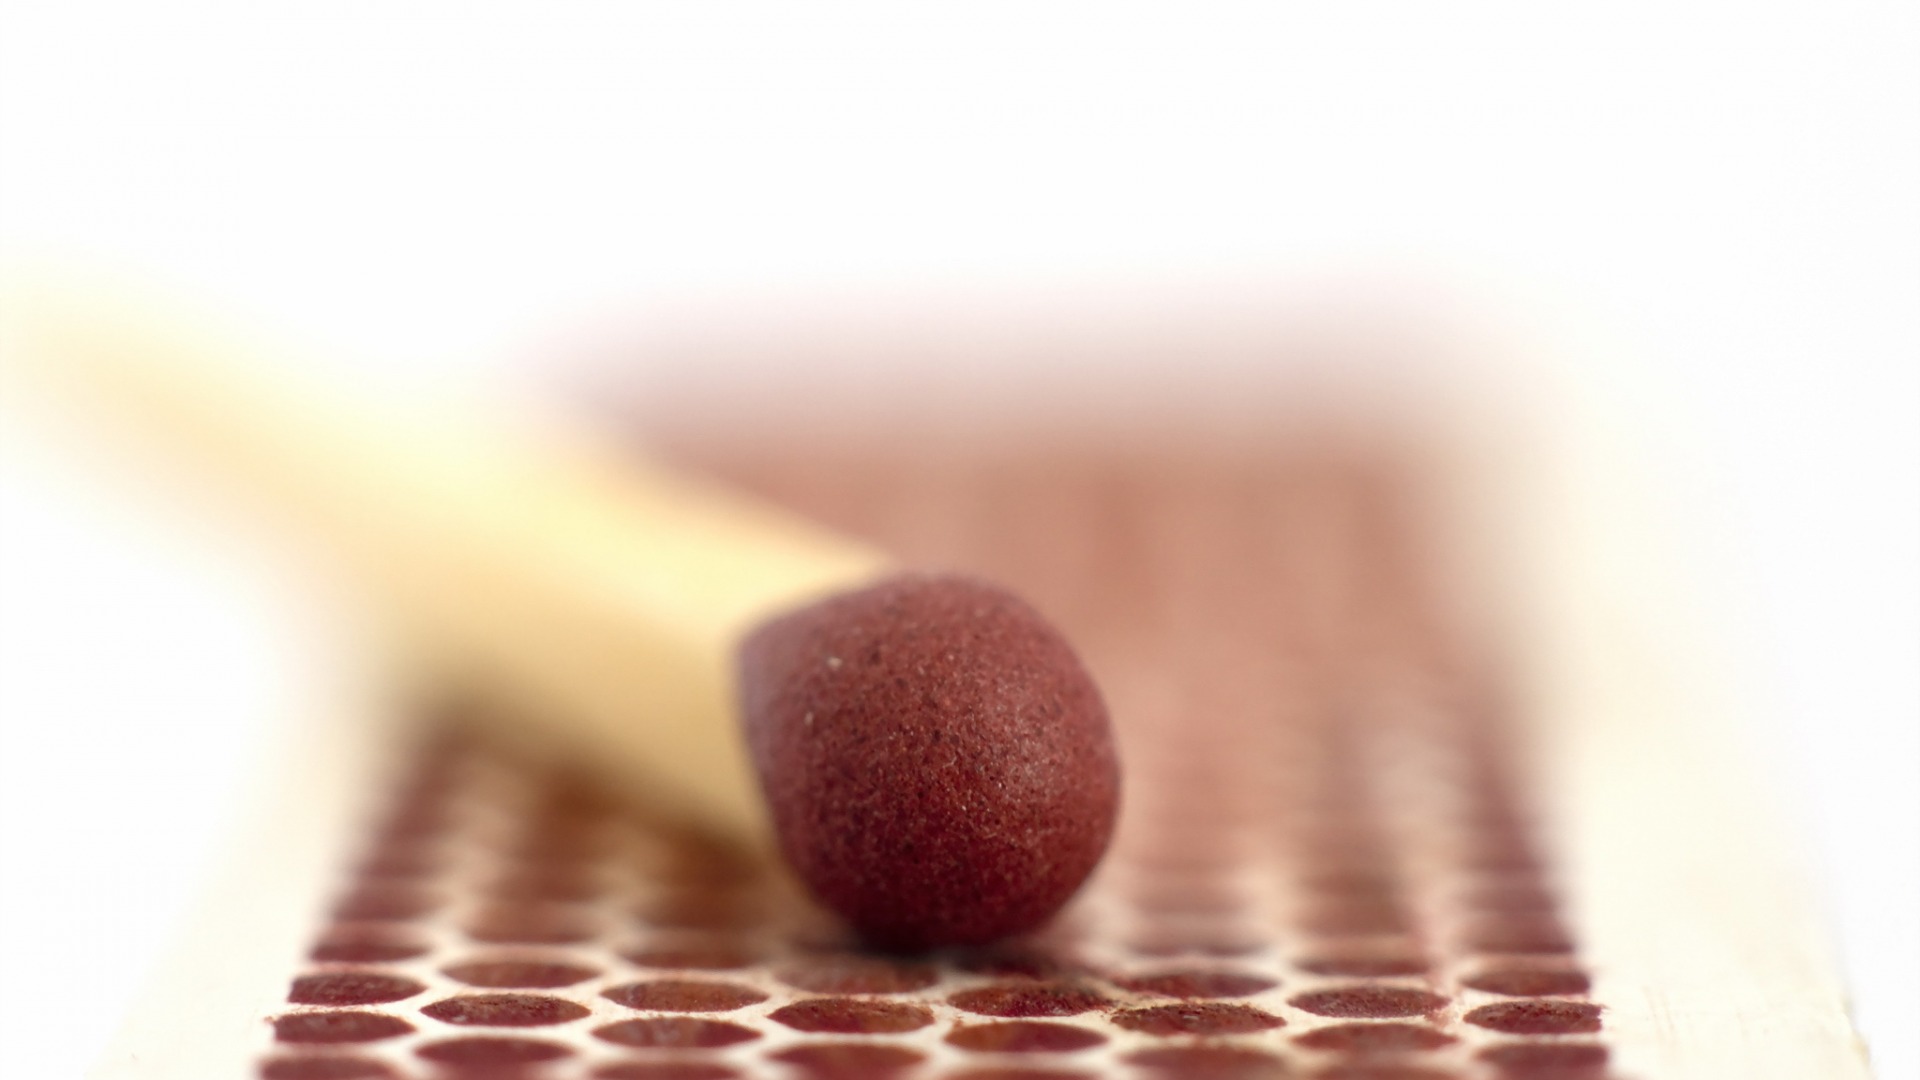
{"points": [[1326, 865], [937, 762]]}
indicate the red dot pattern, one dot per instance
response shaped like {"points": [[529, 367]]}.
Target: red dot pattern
{"points": [[1327, 866], [351, 988], [852, 1016], [505, 1010], [674, 995], [676, 1031], [338, 1027], [1370, 1001], [1024, 1037], [1029, 999], [1198, 1018]]}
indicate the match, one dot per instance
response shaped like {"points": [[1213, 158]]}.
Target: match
{"points": [[924, 750]]}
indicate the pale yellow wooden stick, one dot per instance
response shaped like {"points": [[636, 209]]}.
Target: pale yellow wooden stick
{"points": [[611, 593]]}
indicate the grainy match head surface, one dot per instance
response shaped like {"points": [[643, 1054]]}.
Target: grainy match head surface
{"points": [[937, 761]]}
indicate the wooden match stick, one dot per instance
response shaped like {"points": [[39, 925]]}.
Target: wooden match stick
{"points": [[932, 758]]}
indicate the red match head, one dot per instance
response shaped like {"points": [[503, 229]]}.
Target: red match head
{"points": [[937, 762]]}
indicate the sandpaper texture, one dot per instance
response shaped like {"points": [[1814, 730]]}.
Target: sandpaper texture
{"points": [[1328, 862]]}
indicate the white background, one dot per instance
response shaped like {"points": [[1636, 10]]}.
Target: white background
{"points": [[1702, 215]]}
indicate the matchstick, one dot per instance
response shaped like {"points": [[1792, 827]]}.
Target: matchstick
{"points": [[931, 756]]}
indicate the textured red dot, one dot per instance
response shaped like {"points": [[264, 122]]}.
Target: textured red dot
{"points": [[710, 956], [1197, 1019], [849, 1059], [1547, 1061], [688, 1032], [1028, 999], [367, 945], [1384, 1038], [530, 974], [505, 1010], [492, 1053], [856, 975], [1530, 982], [1198, 984], [1366, 965], [1354, 1002], [338, 1027], [351, 988], [532, 924], [852, 1016], [331, 1067], [1023, 1037], [1538, 1017], [674, 995], [664, 1070]]}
